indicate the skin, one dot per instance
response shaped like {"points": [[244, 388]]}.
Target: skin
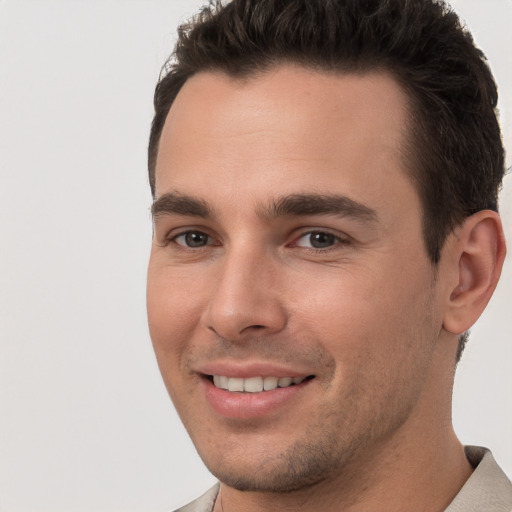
{"points": [[366, 314]]}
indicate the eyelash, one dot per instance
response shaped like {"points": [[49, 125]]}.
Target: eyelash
{"points": [[337, 241], [182, 247]]}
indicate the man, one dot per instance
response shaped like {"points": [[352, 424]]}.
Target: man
{"points": [[325, 177]]}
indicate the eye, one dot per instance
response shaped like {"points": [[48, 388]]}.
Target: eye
{"points": [[193, 239], [317, 240]]}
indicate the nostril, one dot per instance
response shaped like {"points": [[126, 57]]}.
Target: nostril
{"points": [[252, 328], [255, 327]]}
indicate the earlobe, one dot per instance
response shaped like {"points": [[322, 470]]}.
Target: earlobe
{"points": [[477, 257]]}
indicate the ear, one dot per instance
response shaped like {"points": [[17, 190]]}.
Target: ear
{"points": [[475, 254]]}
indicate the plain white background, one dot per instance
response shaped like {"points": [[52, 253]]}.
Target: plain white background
{"points": [[85, 422]]}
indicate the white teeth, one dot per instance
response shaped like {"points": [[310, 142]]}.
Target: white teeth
{"points": [[235, 384], [284, 382], [254, 384], [270, 383]]}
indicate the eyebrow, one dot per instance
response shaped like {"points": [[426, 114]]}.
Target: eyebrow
{"points": [[319, 204], [292, 205], [180, 204]]}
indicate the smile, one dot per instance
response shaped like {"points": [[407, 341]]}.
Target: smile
{"points": [[254, 384], [252, 396]]}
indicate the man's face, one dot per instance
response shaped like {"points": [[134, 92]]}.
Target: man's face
{"points": [[288, 245]]}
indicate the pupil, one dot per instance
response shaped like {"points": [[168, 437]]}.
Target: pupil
{"points": [[195, 239], [321, 240]]}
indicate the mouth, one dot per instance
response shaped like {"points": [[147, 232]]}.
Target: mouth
{"points": [[255, 384], [253, 396]]}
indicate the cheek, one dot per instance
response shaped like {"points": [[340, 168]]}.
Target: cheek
{"points": [[172, 319], [381, 340], [367, 314], [174, 306]]}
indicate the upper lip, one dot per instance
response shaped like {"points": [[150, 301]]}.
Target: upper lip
{"points": [[250, 369]]}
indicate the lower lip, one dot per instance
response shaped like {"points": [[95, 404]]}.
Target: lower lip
{"points": [[239, 405]]}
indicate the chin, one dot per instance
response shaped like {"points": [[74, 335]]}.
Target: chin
{"points": [[299, 467]]}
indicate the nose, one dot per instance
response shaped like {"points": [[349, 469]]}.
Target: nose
{"points": [[246, 299]]}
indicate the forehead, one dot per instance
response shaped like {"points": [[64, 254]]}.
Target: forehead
{"points": [[295, 129]]}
